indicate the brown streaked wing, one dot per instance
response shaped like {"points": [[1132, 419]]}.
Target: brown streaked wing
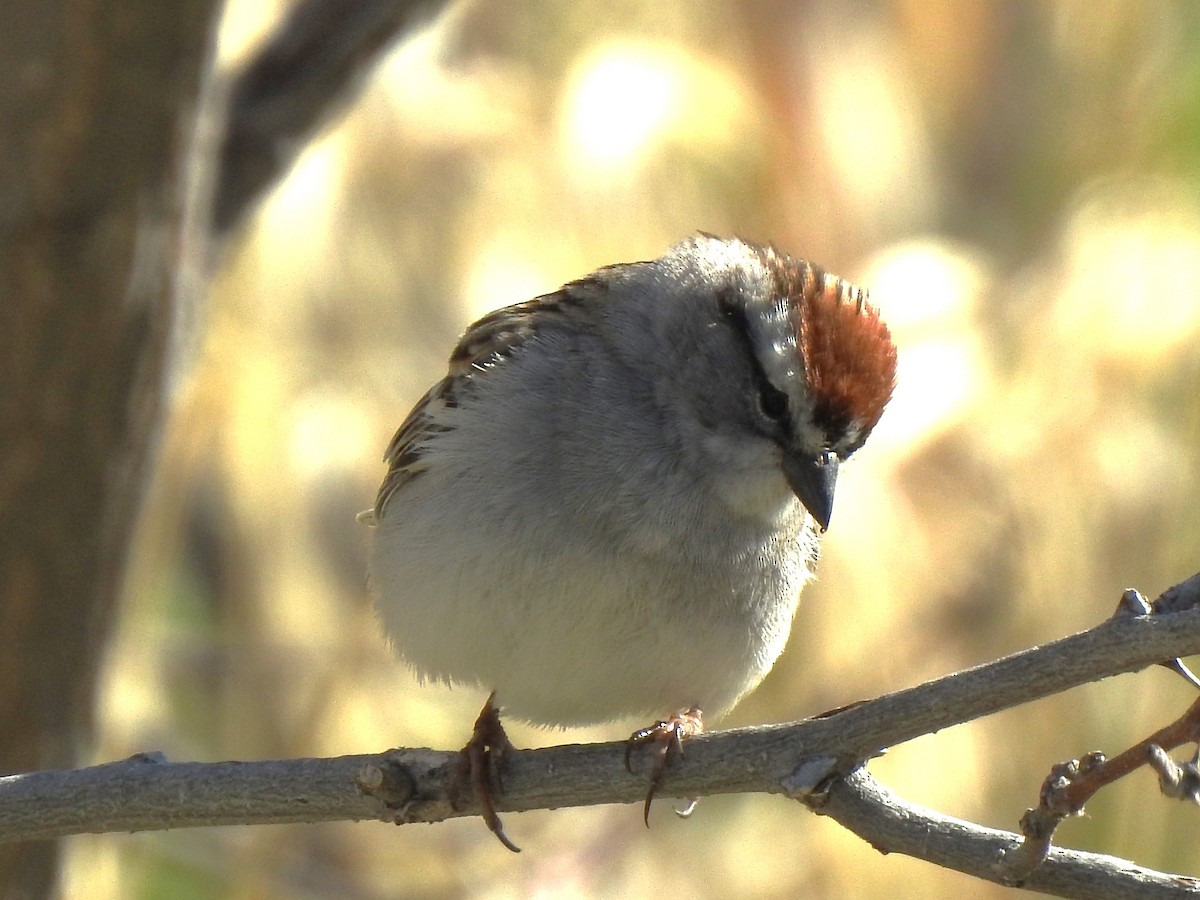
{"points": [[485, 345]]}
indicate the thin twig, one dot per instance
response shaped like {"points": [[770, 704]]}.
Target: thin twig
{"points": [[1073, 783], [891, 825]]}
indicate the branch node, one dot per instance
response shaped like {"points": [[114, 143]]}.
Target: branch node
{"points": [[1181, 597], [1179, 781], [390, 783], [1054, 797], [1132, 604], [811, 780], [1055, 803], [153, 757]]}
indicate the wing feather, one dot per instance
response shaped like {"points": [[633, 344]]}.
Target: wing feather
{"points": [[486, 344]]}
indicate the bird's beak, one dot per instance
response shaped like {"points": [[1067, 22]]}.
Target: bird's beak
{"points": [[812, 479]]}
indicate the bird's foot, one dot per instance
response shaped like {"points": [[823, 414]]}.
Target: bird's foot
{"points": [[666, 740], [481, 761]]}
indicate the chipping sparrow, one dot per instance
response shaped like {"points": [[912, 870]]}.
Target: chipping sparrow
{"points": [[609, 506]]}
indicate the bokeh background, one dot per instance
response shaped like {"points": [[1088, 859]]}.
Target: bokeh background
{"points": [[1019, 185]]}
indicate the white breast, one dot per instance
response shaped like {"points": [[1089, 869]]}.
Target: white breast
{"points": [[574, 634]]}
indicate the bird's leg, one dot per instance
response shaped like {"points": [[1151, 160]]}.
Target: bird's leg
{"points": [[482, 758], [666, 739]]}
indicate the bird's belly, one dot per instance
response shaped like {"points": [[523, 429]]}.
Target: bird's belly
{"points": [[577, 638]]}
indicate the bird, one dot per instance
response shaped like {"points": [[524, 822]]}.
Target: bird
{"points": [[609, 505]]}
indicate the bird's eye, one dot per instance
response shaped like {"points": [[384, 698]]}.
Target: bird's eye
{"points": [[773, 402]]}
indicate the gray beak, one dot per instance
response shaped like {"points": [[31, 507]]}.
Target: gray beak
{"points": [[812, 479]]}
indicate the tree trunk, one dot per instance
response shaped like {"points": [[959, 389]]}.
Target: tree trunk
{"points": [[97, 112]]}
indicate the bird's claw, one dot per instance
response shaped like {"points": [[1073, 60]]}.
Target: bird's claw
{"points": [[483, 757], [666, 738]]}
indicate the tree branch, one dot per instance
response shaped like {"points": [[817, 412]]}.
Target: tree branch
{"points": [[307, 72], [801, 760], [890, 825]]}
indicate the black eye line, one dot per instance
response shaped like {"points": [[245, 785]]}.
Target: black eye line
{"points": [[735, 314], [833, 427]]}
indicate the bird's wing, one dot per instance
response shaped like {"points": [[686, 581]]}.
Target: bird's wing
{"points": [[486, 345]]}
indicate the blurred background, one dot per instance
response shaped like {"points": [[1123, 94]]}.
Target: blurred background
{"points": [[1017, 183]]}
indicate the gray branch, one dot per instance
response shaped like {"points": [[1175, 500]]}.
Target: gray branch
{"points": [[410, 785], [891, 825], [309, 70]]}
